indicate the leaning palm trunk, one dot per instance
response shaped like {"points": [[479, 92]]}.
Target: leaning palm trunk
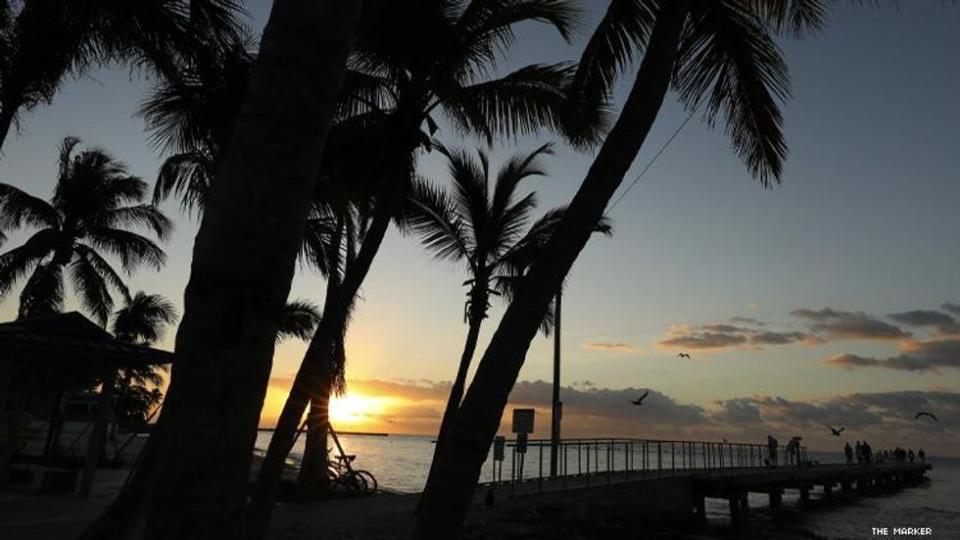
{"points": [[313, 482], [194, 478], [451, 484], [477, 312], [312, 378]]}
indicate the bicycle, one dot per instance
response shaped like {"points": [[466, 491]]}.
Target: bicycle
{"points": [[342, 474]]}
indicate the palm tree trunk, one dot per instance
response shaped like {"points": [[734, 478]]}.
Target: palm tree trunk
{"points": [[313, 377], [312, 481], [244, 260], [451, 484], [459, 383]]}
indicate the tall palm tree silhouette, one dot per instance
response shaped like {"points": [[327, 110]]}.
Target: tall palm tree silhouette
{"points": [[44, 42], [95, 205], [484, 223], [715, 53], [411, 64]]}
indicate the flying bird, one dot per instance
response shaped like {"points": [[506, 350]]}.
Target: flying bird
{"points": [[835, 431], [924, 413], [683, 355], [639, 401]]}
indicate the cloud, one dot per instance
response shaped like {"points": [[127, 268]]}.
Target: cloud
{"points": [[781, 338], [830, 324], [611, 346], [951, 307], [945, 324], [750, 321], [884, 418], [704, 340], [719, 336], [916, 356]]}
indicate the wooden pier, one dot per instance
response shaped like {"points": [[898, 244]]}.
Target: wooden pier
{"points": [[646, 481]]}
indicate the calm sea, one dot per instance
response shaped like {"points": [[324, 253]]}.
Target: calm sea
{"points": [[401, 462]]}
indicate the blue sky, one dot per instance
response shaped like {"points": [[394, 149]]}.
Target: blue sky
{"points": [[865, 221]]}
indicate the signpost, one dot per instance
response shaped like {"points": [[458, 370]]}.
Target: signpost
{"points": [[522, 426]]}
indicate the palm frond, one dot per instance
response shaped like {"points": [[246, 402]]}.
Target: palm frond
{"points": [[796, 16], [141, 215], [623, 31], [518, 168], [485, 30], [143, 319], [42, 296], [298, 320], [188, 176], [92, 290], [519, 103], [132, 249], [17, 208], [432, 215], [103, 268], [19, 261], [730, 61]]}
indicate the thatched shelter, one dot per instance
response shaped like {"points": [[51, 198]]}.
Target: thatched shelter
{"points": [[54, 352]]}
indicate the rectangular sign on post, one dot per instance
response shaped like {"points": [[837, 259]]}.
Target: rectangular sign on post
{"points": [[499, 447], [523, 420]]}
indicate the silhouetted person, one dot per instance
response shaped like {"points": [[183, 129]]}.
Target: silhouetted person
{"points": [[772, 450], [859, 452], [847, 451], [793, 452], [922, 455], [867, 453], [910, 455]]}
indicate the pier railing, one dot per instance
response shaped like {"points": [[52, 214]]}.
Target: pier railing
{"points": [[589, 458]]}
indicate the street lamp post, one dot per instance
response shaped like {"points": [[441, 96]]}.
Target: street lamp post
{"points": [[556, 411]]}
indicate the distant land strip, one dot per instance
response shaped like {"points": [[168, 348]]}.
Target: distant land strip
{"points": [[363, 433]]}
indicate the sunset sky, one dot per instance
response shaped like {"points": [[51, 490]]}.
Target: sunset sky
{"points": [[834, 298]]}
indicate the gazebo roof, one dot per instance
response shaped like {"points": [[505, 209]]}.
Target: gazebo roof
{"points": [[72, 337]]}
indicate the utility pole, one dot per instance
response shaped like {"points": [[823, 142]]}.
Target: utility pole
{"points": [[556, 412]]}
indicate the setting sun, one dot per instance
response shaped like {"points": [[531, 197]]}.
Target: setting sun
{"points": [[357, 409]]}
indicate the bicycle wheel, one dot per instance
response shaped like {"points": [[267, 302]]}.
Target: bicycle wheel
{"points": [[353, 483], [369, 481]]}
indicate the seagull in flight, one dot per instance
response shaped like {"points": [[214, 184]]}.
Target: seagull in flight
{"points": [[835, 431], [924, 413], [639, 401], [683, 355]]}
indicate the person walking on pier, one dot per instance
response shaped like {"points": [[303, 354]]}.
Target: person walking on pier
{"points": [[859, 452], [848, 452], [867, 453], [910, 455], [922, 455], [771, 451]]}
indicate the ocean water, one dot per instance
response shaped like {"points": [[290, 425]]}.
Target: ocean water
{"points": [[401, 462]]}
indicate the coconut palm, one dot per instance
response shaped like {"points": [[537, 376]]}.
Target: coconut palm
{"points": [[142, 321], [482, 223], [42, 42], [413, 63], [94, 211], [719, 54], [244, 260]]}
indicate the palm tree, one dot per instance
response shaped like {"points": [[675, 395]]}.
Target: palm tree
{"points": [[716, 53], [142, 321], [95, 205], [412, 63], [42, 42], [193, 479], [481, 223]]}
